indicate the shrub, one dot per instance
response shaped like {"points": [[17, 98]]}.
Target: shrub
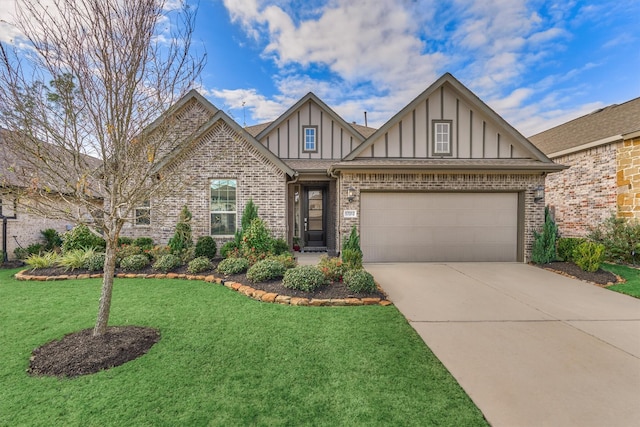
{"points": [[134, 262], [566, 247], [265, 270], [620, 237], [198, 265], [20, 253], [248, 215], [206, 247], [589, 255], [80, 237], [227, 248], [359, 281], [127, 251], [157, 251], [146, 243], [256, 239], [233, 265], [94, 262], [167, 263], [125, 241], [285, 259], [36, 248], [45, 260], [544, 244], [52, 239], [279, 246], [303, 278], [182, 239], [333, 268], [75, 258], [352, 259], [352, 242]]}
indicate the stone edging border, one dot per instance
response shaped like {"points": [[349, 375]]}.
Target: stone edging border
{"points": [[256, 294]]}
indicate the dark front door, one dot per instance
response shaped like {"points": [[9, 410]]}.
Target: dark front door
{"points": [[315, 217]]}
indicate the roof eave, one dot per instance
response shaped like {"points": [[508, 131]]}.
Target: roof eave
{"points": [[541, 168]]}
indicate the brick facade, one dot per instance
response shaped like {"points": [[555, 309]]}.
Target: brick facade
{"points": [[425, 182], [585, 194]]}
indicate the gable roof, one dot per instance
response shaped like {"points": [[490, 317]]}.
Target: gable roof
{"points": [[310, 96], [470, 98], [603, 126]]}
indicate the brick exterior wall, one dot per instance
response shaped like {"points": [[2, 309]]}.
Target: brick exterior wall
{"points": [[628, 179], [219, 154], [584, 195], [533, 212]]}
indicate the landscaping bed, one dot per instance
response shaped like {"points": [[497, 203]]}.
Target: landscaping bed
{"points": [[599, 277]]}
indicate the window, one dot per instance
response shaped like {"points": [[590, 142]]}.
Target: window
{"points": [[223, 207], [310, 140], [442, 137], [143, 214]]}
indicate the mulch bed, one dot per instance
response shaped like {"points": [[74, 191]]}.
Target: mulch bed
{"points": [[599, 277]]}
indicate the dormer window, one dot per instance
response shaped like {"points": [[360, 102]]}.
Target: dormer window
{"points": [[310, 141], [442, 137]]}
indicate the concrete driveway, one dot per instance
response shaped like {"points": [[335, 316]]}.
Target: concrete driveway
{"points": [[530, 347]]}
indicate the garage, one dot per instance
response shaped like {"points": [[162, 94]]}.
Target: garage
{"points": [[440, 227]]}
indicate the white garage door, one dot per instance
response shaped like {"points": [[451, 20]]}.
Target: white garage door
{"points": [[439, 227]]}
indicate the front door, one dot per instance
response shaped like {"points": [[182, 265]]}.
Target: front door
{"points": [[315, 217]]}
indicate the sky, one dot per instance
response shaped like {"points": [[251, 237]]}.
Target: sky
{"points": [[536, 63]]}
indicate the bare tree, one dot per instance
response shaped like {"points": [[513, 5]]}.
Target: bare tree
{"points": [[79, 95]]}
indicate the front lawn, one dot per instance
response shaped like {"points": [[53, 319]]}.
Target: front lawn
{"points": [[631, 275], [223, 359]]}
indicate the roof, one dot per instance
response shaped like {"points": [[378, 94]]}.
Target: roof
{"points": [[365, 131], [310, 165], [256, 129], [605, 125]]}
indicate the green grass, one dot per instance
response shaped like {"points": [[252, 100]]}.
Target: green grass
{"points": [[631, 275], [223, 359]]}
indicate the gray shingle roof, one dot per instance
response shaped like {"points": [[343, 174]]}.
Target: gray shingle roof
{"points": [[449, 164], [611, 121]]}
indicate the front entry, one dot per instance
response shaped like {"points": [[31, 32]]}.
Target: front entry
{"points": [[315, 217]]}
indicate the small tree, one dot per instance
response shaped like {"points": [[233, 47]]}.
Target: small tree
{"points": [[249, 214], [544, 245], [182, 239]]}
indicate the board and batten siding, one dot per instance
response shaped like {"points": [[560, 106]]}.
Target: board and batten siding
{"points": [[473, 136], [334, 141]]}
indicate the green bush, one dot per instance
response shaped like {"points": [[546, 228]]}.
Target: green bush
{"points": [[359, 281], [182, 239], [75, 258], [81, 237], [544, 244], [566, 247], [264, 270], [589, 256], [620, 237], [167, 263], [146, 243], [233, 265], [206, 247], [125, 251], [279, 246], [125, 241], [303, 278], [333, 268], [52, 239], [352, 259], [352, 242], [45, 260], [134, 262], [95, 262], [286, 259], [200, 264], [229, 247], [156, 252], [20, 253], [256, 240], [36, 248], [248, 215]]}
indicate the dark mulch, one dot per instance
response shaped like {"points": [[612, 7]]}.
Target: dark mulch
{"points": [[599, 277], [80, 353], [16, 263]]}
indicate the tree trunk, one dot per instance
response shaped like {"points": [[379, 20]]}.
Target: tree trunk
{"points": [[107, 288]]}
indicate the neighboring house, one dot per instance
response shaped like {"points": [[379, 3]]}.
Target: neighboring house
{"points": [[445, 179], [602, 150]]}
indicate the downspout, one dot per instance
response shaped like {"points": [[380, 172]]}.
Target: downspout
{"points": [[296, 177], [332, 173]]}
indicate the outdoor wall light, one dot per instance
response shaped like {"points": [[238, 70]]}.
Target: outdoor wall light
{"points": [[538, 194], [351, 194]]}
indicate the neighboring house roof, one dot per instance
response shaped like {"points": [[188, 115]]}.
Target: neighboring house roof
{"points": [[603, 126], [470, 98], [256, 129], [365, 131]]}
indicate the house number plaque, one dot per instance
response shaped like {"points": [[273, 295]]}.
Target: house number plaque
{"points": [[350, 214]]}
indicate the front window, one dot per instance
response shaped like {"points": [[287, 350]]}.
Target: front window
{"points": [[143, 214], [223, 207], [310, 140], [442, 137]]}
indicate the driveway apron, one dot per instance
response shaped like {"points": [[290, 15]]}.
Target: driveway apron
{"points": [[530, 347]]}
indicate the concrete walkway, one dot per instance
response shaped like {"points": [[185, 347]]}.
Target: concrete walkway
{"points": [[530, 347]]}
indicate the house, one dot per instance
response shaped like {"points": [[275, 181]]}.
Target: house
{"points": [[445, 179], [602, 150]]}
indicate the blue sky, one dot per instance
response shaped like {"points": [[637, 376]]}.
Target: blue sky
{"points": [[537, 63]]}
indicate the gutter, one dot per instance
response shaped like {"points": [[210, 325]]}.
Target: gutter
{"points": [[549, 167]]}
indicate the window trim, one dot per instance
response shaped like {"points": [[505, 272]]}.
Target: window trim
{"points": [[449, 151], [146, 205], [304, 138], [212, 212]]}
